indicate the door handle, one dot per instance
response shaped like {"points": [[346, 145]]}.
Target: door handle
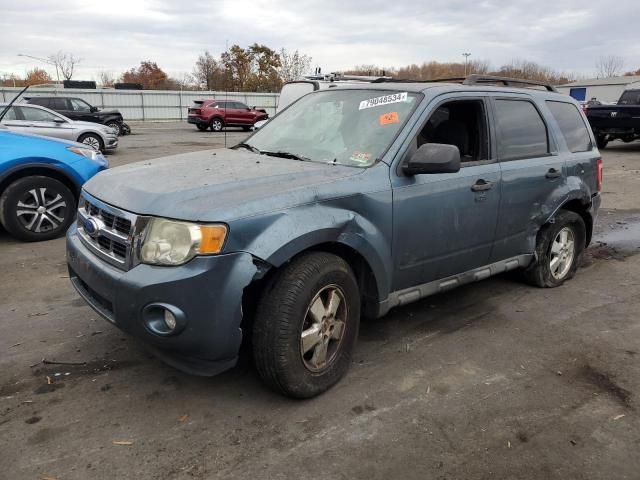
{"points": [[553, 173], [481, 186]]}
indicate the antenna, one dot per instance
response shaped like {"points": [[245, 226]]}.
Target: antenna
{"points": [[226, 94]]}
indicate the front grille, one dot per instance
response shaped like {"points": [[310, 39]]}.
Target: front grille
{"points": [[114, 238]]}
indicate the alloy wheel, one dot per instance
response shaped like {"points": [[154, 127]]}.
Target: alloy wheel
{"points": [[92, 141], [41, 210], [563, 250], [323, 328]]}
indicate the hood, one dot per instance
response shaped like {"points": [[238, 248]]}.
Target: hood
{"points": [[109, 112], [214, 185]]}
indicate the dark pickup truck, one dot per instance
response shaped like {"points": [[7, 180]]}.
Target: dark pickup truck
{"points": [[78, 109], [621, 121]]}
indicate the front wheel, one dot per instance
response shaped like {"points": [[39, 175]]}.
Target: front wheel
{"points": [[115, 126], [559, 248], [306, 325], [37, 208], [92, 140]]}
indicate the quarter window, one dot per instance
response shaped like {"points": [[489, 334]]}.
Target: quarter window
{"points": [[571, 125], [523, 133]]}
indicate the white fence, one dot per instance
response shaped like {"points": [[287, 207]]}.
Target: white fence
{"points": [[148, 104]]}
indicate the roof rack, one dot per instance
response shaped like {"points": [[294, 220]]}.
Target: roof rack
{"points": [[476, 79]]}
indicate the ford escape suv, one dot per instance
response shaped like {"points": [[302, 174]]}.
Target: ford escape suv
{"points": [[351, 201]]}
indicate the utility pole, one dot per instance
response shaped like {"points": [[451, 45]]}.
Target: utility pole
{"points": [[466, 56], [45, 61]]}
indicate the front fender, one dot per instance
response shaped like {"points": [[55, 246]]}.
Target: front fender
{"points": [[278, 237]]}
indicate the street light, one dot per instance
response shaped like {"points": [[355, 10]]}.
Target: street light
{"points": [[45, 61], [466, 56]]}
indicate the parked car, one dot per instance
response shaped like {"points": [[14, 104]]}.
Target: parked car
{"points": [[217, 114], [352, 201], [620, 121], [78, 109], [42, 121], [40, 181]]}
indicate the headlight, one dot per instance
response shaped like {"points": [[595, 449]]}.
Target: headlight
{"points": [[85, 152], [169, 242]]}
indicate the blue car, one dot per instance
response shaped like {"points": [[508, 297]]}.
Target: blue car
{"points": [[40, 181]]}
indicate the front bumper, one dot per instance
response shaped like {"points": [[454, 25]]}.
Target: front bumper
{"points": [[111, 143], [208, 290]]}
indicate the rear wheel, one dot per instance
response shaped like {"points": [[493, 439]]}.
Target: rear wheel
{"points": [[217, 125], [37, 208], [306, 325], [558, 251], [92, 140], [246, 128]]}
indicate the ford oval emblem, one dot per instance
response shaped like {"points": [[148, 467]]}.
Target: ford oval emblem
{"points": [[91, 226]]}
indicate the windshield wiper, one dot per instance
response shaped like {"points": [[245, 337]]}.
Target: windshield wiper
{"points": [[290, 155], [248, 147]]}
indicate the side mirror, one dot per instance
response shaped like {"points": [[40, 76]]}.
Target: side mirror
{"points": [[433, 158], [93, 109], [59, 121]]}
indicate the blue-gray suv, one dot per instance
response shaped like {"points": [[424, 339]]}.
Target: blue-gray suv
{"points": [[351, 201]]}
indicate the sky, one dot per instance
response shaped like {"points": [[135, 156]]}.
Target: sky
{"points": [[115, 35]]}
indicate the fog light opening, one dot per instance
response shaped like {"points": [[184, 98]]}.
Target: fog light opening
{"points": [[170, 320]]}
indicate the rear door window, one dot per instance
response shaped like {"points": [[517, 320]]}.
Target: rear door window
{"points": [[571, 125], [43, 102], [37, 115], [523, 133]]}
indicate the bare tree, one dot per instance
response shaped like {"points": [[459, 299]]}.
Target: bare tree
{"points": [[65, 62], [293, 65], [208, 72], [106, 79], [609, 66]]}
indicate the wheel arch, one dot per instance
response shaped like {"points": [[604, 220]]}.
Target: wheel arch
{"points": [[34, 170], [581, 206]]}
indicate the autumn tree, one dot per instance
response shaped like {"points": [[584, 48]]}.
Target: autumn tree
{"points": [[149, 74], [293, 65], [65, 63], [11, 80], [265, 64], [609, 66], [37, 76], [632, 73], [208, 72], [525, 69]]}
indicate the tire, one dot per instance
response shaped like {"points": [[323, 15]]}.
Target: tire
{"points": [[217, 124], [201, 127], [549, 269], [247, 128], [116, 126], [285, 310], [92, 140], [25, 195], [602, 141]]}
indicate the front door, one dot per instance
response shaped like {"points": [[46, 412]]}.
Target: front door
{"points": [[444, 224]]}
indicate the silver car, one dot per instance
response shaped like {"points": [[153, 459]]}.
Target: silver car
{"points": [[42, 121]]}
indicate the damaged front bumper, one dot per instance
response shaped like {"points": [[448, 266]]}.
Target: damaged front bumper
{"points": [[206, 293]]}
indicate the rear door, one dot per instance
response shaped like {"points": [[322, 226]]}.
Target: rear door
{"points": [[444, 224], [532, 171], [13, 120]]}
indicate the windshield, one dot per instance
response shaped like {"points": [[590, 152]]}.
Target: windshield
{"points": [[348, 127]]}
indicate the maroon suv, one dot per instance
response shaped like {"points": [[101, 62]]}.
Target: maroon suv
{"points": [[217, 114]]}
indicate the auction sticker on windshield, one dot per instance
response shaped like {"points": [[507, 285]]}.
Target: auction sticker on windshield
{"points": [[383, 100]]}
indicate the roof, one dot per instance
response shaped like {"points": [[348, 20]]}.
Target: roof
{"points": [[594, 82]]}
